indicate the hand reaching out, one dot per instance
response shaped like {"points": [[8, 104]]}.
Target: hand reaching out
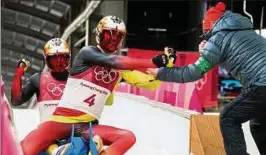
{"points": [[153, 71], [201, 46]]}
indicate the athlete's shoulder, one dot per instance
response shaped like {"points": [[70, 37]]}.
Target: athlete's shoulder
{"points": [[35, 79], [46, 73], [88, 52], [83, 59], [36, 76], [89, 49]]}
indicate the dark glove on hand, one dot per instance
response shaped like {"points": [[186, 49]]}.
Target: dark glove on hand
{"points": [[171, 53], [25, 63], [160, 60]]}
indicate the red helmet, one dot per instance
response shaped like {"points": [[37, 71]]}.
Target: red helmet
{"points": [[57, 55], [110, 33]]}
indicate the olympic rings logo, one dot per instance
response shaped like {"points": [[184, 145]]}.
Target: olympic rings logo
{"points": [[56, 90], [105, 75], [200, 83]]}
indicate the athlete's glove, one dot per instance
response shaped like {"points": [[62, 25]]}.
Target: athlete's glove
{"points": [[160, 60], [25, 63], [171, 53]]}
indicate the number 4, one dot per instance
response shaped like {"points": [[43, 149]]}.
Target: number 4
{"points": [[90, 100]]}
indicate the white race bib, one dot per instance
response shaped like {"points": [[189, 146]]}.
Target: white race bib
{"points": [[46, 109], [84, 96]]}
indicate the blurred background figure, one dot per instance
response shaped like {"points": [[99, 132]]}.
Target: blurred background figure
{"points": [[47, 85]]}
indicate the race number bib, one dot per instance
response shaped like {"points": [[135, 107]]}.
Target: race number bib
{"points": [[84, 96], [46, 109]]}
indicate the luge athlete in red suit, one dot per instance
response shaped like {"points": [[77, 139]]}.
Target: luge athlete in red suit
{"points": [[94, 74]]}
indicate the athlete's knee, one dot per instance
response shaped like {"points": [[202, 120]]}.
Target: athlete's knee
{"points": [[225, 118], [27, 149], [255, 125], [130, 136]]}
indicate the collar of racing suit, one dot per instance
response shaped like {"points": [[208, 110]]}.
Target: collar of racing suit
{"points": [[61, 76]]}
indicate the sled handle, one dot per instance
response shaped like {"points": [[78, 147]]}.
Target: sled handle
{"points": [[72, 132], [93, 147]]}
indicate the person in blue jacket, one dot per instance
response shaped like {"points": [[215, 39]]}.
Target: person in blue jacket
{"points": [[231, 42]]}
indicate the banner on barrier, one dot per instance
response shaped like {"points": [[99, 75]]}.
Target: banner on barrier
{"points": [[193, 95]]}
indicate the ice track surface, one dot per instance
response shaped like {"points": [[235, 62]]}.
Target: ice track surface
{"points": [[159, 129]]}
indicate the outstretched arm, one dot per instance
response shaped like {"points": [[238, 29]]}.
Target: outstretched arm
{"points": [[91, 55], [22, 93], [192, 72], [209, 58]]}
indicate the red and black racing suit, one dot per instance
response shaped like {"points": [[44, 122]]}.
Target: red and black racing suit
{"points": [[119, 140]]}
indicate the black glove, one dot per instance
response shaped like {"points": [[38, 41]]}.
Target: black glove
{"points": [[24, 63], [160, 60]]}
